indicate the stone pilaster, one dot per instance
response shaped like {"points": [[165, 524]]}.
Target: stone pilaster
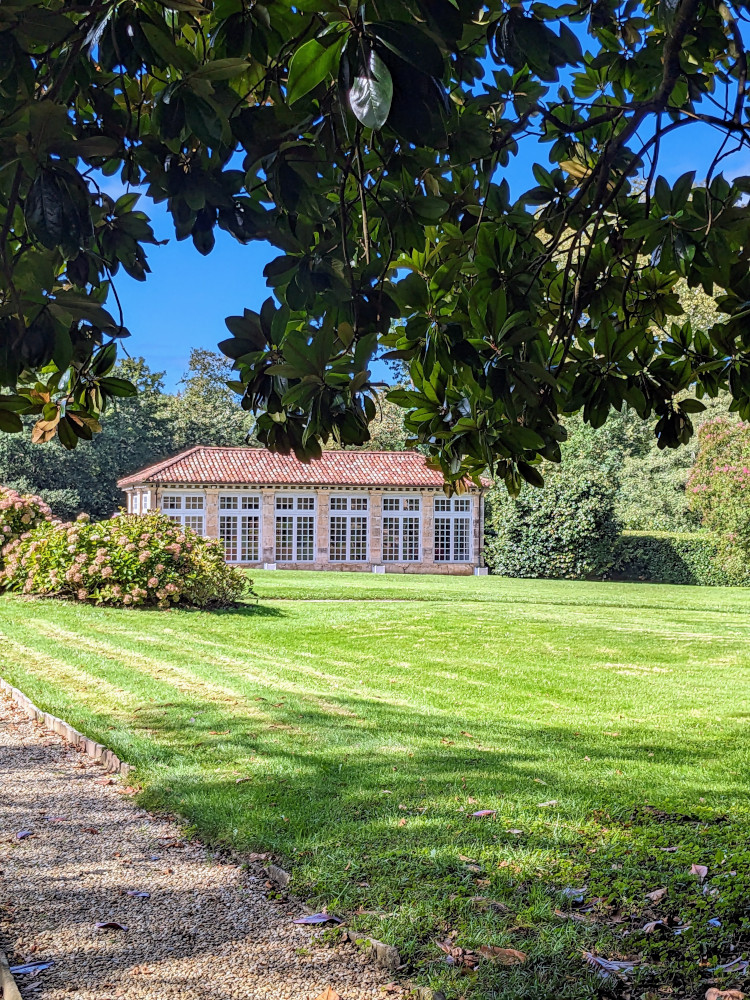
{"points": [[376, 527], [428, 528], [268, 526], [211, 523], [322, 526]]}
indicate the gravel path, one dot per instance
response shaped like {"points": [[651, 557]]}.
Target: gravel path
{"points": [[207, 929]]}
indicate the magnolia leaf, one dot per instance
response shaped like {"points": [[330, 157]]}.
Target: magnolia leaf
{"points": [[700, 870], [502, 956], [372, 93], [310, 65]]}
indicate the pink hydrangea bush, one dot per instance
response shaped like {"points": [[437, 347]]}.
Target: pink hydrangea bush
{"points": [[127, 561], [19, 514]]}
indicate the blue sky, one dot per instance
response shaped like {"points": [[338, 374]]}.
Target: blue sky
{"points": [[186, 297]]}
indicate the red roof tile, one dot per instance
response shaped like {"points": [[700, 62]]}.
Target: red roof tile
{"points": [[257, 467]]}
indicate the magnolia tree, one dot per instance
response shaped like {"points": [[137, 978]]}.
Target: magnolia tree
{"points": [[368, 143]]}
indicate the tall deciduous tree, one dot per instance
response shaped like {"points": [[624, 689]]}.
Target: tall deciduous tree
{"points": [[367, 142]]}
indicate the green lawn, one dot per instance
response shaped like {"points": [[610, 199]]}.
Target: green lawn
{"points": [[368, 717]]}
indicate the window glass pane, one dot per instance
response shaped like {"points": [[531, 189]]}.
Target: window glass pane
{"points": [[175, 517], [250, 538], [461, 527], [339, 503], [358, 503], [251, 503], [305, 503], [391, 503], [442, 539], [194, 503], [135, 503], [228, 502], [338, 538], [411, 503], [410, 539], [442, 503], [284, 537], [194, 521], [171, 502], [358, 539], [284, 503], [145, 502], [391, 538], [305, 539], [462, 503], [228, 535]]}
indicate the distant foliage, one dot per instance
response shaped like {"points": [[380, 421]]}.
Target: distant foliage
{"points": [[566, 530], [719, 489], [19, 514], [672, 557], [128, 560]]}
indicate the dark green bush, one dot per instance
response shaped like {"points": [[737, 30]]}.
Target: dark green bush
{"points": [[671, 557], [566, 530]]}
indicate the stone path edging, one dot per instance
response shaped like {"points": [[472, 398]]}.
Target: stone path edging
{"points": [[96, 751], [8, 988]]}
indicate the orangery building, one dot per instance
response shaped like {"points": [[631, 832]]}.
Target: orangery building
{"points": [[379, 511]]}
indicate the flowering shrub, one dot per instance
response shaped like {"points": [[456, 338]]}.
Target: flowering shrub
{"points": [[719, 489], [19, 514], [128, 560]]}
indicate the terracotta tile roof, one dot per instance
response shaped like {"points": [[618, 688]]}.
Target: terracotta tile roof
{"points": [[257, 467]]}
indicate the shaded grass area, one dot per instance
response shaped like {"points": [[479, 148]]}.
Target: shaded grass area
{"points": [[352, 724]]}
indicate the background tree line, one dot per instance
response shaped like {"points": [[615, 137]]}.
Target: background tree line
{"points": [[147, 428]]}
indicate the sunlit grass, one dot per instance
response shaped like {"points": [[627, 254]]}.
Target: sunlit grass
{"points": [[367, 717]]}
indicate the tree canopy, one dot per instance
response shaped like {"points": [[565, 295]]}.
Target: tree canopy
{"points": [[369, 142]]}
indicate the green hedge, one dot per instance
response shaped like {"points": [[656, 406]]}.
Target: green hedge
{"points": [[671, 557]]}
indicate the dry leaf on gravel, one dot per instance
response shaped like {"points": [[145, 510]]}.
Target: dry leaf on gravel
{"points": [[700, 870], [23, 834], [502, 956], [139, 895], [318, 918], [30, 968], [657, 895], [714, 994], [110, 925], [329, 993]]}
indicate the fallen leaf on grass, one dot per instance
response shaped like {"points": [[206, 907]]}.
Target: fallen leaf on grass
{"points": [[714, 994], [402, 822], [318, 918], [653, 925], [700, 870], [668, 850], [458, 956], [238, 781], [575, 895], [517, 832], [572, 916], [329, 993], [607, 968], [736, 965], [30, 968], [552, 802], [480, 813], [110, 925], [656, 895], [224, 732], [502, 956]]}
